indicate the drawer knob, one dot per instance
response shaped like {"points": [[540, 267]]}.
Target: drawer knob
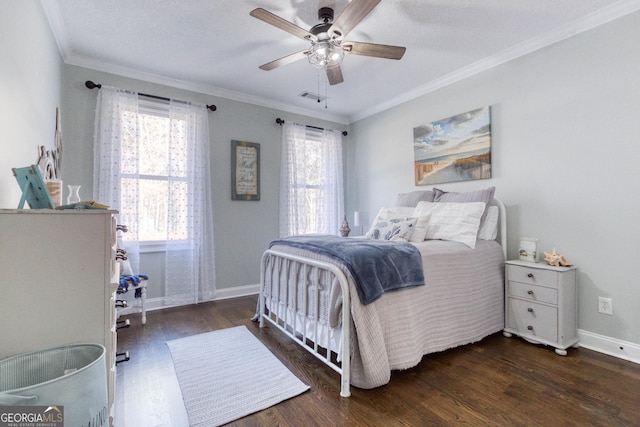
{"points": [[530, 275], [530, 310], [530, 328], [530, 292]]}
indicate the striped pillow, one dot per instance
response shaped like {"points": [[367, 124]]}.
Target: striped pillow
{"points": [[457, 222], [485, 196], [412, 198]]}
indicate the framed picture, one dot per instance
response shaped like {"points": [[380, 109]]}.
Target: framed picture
{"points": [[457, 148], [245, 170], [528, 249], [34, 191]]}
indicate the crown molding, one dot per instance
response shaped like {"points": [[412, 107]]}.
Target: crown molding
{"points": [[200, 88], [56, 23], [586, 23]]}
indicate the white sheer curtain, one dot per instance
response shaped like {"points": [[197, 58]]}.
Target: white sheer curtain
{"points": [[311, 181], [161, 185]]}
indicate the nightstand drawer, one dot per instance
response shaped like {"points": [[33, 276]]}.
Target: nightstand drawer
{"points": [[533, 292], [533, 276], [534, 320]]}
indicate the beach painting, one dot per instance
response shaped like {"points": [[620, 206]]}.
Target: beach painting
{"points": [[454, 149]]}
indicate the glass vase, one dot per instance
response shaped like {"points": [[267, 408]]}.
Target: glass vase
{"points": [[74, 194]]}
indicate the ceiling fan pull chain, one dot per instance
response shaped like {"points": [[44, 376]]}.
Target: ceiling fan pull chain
{"points": [[325, 95]]}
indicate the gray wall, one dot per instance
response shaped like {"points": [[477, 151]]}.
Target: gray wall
{"points": [[243, 229], [565, 159], [30, 79]]}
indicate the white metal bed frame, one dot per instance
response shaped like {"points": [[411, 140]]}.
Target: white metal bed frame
{"points": [[313, 269]]}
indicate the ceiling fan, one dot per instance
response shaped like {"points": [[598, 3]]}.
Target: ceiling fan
{"points": [[327, 44]]}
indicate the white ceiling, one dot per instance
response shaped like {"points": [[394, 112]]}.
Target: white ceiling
{"points": [[215, 47]]}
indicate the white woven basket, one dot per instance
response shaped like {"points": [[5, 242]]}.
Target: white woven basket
{"points": [[74, 377]]}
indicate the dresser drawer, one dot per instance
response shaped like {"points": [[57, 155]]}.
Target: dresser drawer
{"points": [[534, 320], [532, 276], [532, 292]]}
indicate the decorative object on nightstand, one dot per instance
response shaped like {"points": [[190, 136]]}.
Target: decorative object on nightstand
{"points": [[556, 259], [344, 229], [360, 222], [528, 249], [541, 304]]}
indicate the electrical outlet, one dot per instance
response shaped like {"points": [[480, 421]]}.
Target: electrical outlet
{"points": [[605, 305]]}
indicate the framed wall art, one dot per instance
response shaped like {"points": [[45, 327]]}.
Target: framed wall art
{"points": [[245, 170], [457, 148]]}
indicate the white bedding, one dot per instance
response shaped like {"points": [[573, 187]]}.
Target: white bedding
{"points": [[462, 302]]}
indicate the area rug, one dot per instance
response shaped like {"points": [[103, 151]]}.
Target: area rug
{"points": [[228, 374]]}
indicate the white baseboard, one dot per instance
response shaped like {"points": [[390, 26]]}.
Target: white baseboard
{"points": [[237, 291], [221, 294], [611, 346]]}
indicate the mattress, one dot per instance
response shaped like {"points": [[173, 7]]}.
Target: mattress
{"points": [[461, 303]]}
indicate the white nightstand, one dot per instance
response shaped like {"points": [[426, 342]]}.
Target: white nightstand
{"points": [[541, 304]]}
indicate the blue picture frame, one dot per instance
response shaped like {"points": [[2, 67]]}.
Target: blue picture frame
{"points": [[34, 190]]}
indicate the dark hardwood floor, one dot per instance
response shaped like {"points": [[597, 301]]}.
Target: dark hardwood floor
{"points": [[496, 382]]}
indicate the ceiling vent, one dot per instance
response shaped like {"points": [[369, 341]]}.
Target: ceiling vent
{"points": [[312, 96]]}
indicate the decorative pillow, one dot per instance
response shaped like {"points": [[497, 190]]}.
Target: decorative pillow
{"points": [[489, 228], [393, 229], [485, 196], [392, 212], [125, 268], [414, 197], [458, 222], [125, 265], [420, 229]]}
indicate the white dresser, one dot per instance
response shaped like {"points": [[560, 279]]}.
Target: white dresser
{"points": [[58, 281], [541, 304]]}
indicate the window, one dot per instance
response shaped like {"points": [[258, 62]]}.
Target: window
{"points": [[311, 181], [153, 173], [152, 164]]}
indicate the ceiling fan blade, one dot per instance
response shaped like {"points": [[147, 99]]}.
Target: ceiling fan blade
{"points": [[334, 74], [373, 49], [285, 60], [351, 16], [283, 24]]}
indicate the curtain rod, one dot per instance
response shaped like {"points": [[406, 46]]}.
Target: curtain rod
{"points": [[91, 85], [281, 122]]}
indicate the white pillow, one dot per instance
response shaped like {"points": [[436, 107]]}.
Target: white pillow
{"points": [[458, 222], [489, 228], [125, 265], [125, 268], [393, 229], [420, 229]]}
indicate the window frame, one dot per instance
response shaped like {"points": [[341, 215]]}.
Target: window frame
{"points": [[157, 108]]}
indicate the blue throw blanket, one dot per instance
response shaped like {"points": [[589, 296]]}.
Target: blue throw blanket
{"points": [[377, 266]]}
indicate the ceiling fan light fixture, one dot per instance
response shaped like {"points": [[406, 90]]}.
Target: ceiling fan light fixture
{"points": [[325, 54], [328, 47]]}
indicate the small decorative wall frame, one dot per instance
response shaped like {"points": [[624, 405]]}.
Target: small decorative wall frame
{"points": [[245, 170], [457, 148]]}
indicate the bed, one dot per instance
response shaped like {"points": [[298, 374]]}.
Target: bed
{"points": [[315, 298]]}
